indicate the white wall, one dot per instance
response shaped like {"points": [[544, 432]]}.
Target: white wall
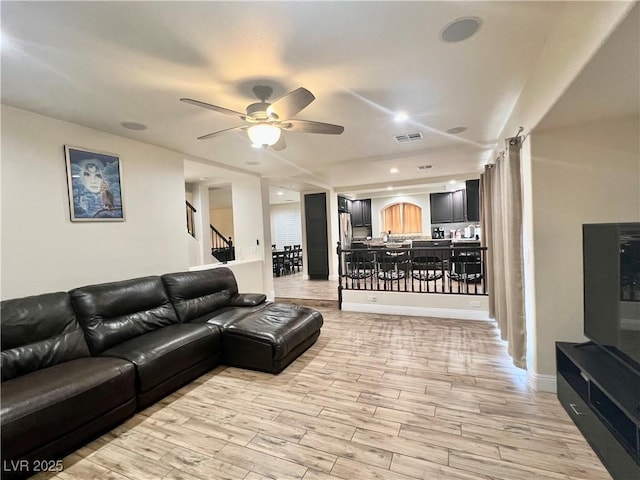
{"points": [[222, 219], [463, 307], [245, 273], [587, 173], [247, 218], [203, 231], [43, 251]]}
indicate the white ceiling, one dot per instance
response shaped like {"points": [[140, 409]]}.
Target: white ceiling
{"points": [[99, 64], [608, 86]]}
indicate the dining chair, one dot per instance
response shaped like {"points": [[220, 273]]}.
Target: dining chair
{"points": [[278, 263], [297, 257], [288, 259]]}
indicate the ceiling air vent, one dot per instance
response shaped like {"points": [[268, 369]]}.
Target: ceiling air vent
{"points": [[408, 137], [424, 167]]}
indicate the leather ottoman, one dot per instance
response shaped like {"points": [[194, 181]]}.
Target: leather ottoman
{"points": [[270, 339]]}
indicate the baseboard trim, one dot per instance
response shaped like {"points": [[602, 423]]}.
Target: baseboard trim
{"points": [[457, 314], [542, 383]]}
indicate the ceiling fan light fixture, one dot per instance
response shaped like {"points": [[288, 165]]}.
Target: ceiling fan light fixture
{"points": [[263, 134]]}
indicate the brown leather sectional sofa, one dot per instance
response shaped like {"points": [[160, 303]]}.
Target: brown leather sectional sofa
{"points": [[75, 364]]}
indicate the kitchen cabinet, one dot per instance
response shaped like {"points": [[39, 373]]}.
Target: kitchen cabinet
{"points": [[361, 213], [366, 212], [344, 205], [473, 200], [456, 207], [441, 207], [317, 247]]}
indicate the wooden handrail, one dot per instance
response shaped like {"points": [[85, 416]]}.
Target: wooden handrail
{"points": [[221, 247], [191, 226], [459, 270]]}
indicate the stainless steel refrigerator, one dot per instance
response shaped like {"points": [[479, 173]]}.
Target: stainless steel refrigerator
{"points": [[346, 233]]}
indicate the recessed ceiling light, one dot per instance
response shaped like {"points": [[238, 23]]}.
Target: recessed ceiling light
{"points": [[389, 188], [401, 117], [253, 163], [456, 130], [393, 170], [204, 178], [134, 125], [460, 29], [279, 192]]}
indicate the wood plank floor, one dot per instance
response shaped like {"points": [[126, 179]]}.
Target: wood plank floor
{"points": [[294, 286], [377, 397]]}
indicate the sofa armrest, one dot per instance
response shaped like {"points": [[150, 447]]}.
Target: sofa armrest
{"points": [[248, 299]]}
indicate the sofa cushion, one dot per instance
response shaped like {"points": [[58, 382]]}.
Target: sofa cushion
{"points": [[271, 338], [38, 332], [248, 299], [225, 316], [42, 406], [112, 313], [164, 353], [195, 294]]}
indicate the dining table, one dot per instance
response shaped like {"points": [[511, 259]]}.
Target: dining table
{"points": [[279, 256]]}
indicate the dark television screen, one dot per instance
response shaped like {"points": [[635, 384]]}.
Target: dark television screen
{"points": [[611, 256]]}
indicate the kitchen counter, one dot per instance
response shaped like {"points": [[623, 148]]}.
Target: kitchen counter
{"points": [[377, 243]]}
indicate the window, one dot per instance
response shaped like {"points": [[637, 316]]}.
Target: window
{"points": [[402, 218], [286, 227]]}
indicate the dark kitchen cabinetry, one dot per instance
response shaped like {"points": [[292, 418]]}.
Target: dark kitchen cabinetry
{"points": [[344, 205], [317, 247], [456, 207], [472, 200], [361, 213], [602, 397], [441, 207]]}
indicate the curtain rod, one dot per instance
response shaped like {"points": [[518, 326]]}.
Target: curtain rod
{"points": [[514, 140]]}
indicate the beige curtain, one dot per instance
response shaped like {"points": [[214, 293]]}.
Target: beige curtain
{"points": [[411, 218], [392, 220], [502, 230]]}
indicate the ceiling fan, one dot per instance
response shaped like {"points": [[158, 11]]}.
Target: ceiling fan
{"points": [[267, 120]]}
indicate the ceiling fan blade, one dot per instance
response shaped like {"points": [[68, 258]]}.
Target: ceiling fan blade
{"points": [[307, 126], [290, 104], [215, 108], [280, 144], [221, 132]]}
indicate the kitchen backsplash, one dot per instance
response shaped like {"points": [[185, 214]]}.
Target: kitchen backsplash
{"points": [[448, 227]]}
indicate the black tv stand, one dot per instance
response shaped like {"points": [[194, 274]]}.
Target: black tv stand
{"points": [[602, 396]]}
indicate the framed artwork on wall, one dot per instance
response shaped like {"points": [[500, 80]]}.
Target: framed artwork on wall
{"points": [[95, 185]]}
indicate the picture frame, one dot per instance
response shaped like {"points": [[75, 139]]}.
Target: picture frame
{"points": [[94, 181]]}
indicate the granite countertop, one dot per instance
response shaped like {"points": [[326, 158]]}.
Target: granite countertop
{"points": [[376, 242]]}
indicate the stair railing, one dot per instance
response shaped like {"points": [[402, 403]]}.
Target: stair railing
{"points": [[191, 226], [221, 247]]}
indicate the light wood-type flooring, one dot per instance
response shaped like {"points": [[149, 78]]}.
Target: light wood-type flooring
{"points": [[377, 397], [294, 286]]}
